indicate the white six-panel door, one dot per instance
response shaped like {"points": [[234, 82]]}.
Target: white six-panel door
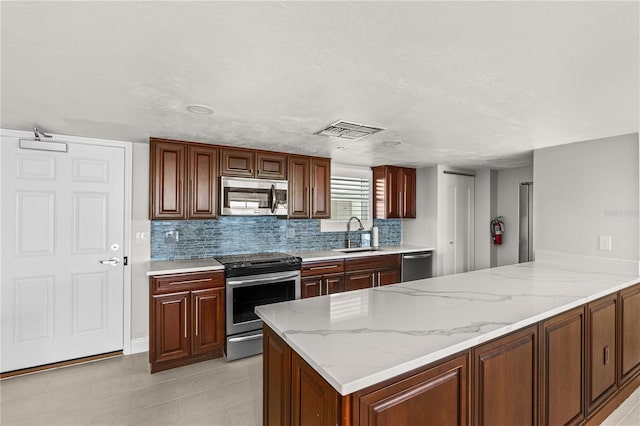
{"points": [[62, 214]]}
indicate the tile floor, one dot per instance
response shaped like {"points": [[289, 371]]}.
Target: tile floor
{"points": [[120, 391]]}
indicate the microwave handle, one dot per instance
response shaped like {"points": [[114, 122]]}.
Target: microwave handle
{"points": [[273, 198]]}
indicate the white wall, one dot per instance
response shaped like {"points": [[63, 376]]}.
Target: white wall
{"points": [[140, 247], [508, 195], [423, 230], [584, 190]]}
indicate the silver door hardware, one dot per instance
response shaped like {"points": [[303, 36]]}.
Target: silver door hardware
{"points": [[114, 261]]}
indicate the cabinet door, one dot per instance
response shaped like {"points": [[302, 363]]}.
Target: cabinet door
{"points": [[170, 319], [299, 180], [388, 276], [207, 307], [203, 183], [393, 189], [313, 401], [167, 175], [437, 396], [629, 335], [562, 369], [237, 162], [360, 280], [276, 368], [505, 382], [409, 193], [311, 287], [321, 188], [271, 165], [334, 283], [601, 351]]}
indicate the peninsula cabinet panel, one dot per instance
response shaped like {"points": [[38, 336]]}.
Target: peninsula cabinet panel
{"points": [[276, 368], [505, 380], [167, 174], [203, 183], [237, 162], [562, 369], [314, 401], [299, 181], [629, 351], [601, 351], [208, 320], [437, 396]]}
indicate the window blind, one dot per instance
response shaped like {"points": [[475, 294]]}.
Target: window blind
{"points": [[349, 197]]}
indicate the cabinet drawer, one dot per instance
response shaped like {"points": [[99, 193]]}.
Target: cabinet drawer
{"points": [[320, 268], [372, 262], [181, 282]]}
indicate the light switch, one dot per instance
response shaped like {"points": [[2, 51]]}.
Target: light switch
{"points": [[142, 237], [604, 243]]}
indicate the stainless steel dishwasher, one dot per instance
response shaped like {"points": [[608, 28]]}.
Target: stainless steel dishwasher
{"points": [[417, 265]]}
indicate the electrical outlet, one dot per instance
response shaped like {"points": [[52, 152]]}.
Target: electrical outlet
{"points": [[171, 237], [604, 243], [142, 237], [291, 232]]}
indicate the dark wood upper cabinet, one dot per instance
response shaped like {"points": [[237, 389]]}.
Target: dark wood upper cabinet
{"points": [[320, 188], [271, 165], [394, 192], [183, 180], [299, 181], [167, 173], [237, 162], [202, 194]]}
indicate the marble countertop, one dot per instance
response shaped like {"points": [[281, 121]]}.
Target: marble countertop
{"points": [[162, 267], [360, 338]]}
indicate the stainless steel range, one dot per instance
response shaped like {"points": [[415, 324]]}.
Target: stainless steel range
{"points": [[253, 280]]}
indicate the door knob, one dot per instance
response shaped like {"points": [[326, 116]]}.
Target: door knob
{"points": [[114, 261], [450, 242]]}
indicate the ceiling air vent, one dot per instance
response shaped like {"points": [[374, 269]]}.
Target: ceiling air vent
{"points": [[346, 130]]}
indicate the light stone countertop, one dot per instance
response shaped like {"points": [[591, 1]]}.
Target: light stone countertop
{"points": [[163, 267], [359, 338]]}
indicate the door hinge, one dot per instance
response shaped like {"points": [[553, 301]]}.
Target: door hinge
{"points": [[125, 262]]}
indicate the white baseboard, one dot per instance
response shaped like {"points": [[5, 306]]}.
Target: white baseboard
{"points": [[139, 345]]}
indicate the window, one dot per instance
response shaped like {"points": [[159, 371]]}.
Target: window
{"points": [[349, 197]]}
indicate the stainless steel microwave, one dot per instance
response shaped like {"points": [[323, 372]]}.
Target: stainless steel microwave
{"points": [[253, 197]]}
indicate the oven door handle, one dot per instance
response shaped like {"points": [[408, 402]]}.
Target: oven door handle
{"points": [[245, 338], [240, 283]]}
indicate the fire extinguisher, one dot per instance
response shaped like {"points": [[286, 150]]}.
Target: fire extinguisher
{"points": [[497, 229]]}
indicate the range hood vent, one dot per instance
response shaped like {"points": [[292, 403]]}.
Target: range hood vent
{"points": [[348, 130]]}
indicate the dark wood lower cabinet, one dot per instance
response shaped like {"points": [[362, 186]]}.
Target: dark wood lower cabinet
{"points": [[437, 396], [561, 371], [601, 351], [629, 350], [506, 380], [562, 358], [186, 319]]}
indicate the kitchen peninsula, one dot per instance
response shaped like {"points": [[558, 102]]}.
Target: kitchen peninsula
{"points": [[554, 341]]}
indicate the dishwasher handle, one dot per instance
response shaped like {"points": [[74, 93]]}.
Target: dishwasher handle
{"points": [[416, 256]]}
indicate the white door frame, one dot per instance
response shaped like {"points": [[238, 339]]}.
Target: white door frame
{"points": [[128, 150]]}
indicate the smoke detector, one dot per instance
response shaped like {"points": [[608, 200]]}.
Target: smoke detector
{"points": [[348, 130]]}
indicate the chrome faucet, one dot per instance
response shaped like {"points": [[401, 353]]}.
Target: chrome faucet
{"points": [[349, 230]]}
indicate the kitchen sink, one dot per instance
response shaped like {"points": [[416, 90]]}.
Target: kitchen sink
{"points": [[356, 249]]}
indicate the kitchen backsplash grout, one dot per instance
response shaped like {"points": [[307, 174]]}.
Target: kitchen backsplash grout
{"points": [[198, 239]]}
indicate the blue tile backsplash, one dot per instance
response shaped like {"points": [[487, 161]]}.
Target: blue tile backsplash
{"points": [[241, 234]]}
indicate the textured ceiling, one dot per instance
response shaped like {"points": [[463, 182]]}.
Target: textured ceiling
{"points": [[470, 84]]}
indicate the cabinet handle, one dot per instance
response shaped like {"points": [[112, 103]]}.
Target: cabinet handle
{"points": [[606, 355], [197, 319], [327, 286], [313, 268], [185, 317], [378, 279]]}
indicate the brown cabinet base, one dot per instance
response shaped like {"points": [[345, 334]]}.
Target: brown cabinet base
{"points": [[181, 362]]}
